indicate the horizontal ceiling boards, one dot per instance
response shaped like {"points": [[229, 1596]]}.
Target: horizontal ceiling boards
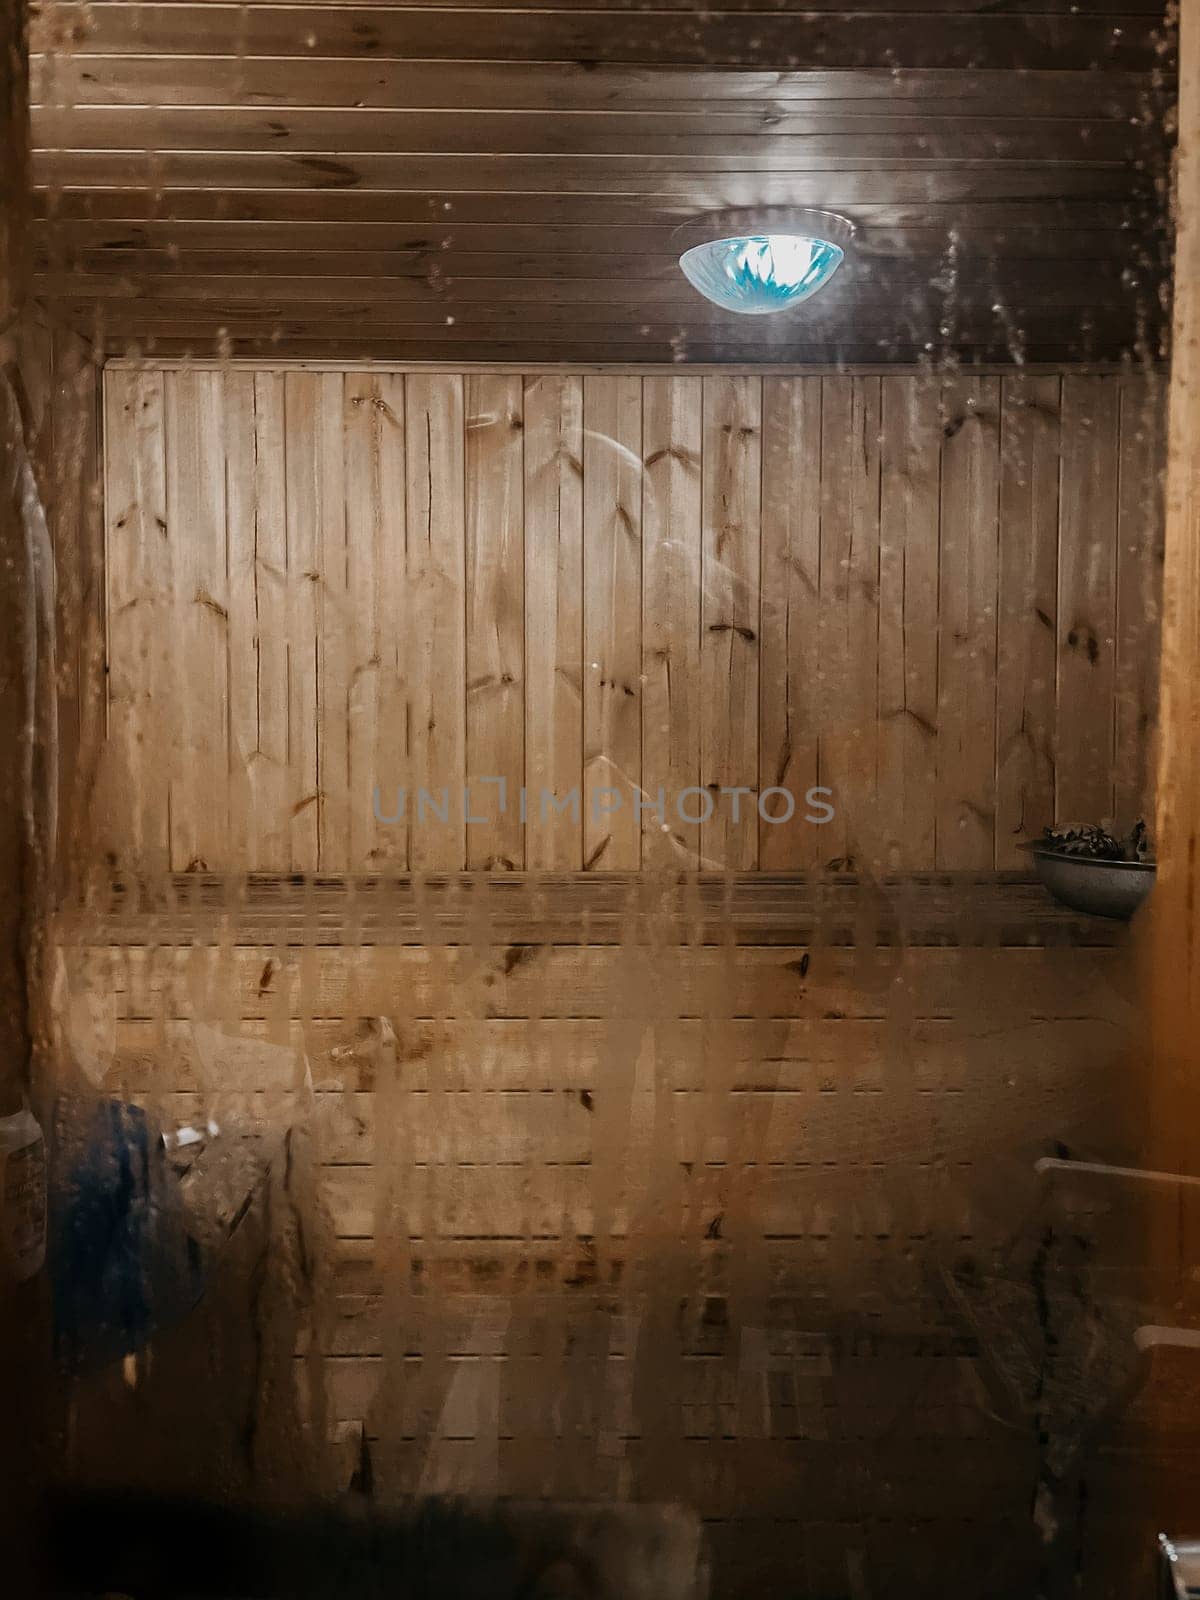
{"points": [[481, 250], [213, 176], [588, 356], [1056, 272], [436, 214], [168, 339], [584, 293], [843, 38], [511, 324], [706, 182], [794, 139], [76, 78]]}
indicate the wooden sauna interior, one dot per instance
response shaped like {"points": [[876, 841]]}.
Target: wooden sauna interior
{"points": [[785, 1169]]}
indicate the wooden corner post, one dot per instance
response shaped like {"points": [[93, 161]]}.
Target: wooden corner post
{"points": [[15, 1041], [23, 1336], [1175, 976]]}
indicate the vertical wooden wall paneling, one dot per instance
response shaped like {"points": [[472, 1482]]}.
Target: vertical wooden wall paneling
{"points": [[969, 570], [302, 397], [248, 824], [392, 608], [363, 425], [874, 584], [336, 627], [730, 624], [70, 450], [377, 594], [195, 455], [909, 516], [1140, 517], [1087, 572], [53, 368], [140, 623], [268, 773], [847, 626], [256, 518], [612, 612], [788, 658], [554, 660], [1027, 612], [495, 660], [672, 451], [434, 432]]}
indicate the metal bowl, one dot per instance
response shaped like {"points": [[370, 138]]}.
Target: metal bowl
{"points": [[1099, 888]]}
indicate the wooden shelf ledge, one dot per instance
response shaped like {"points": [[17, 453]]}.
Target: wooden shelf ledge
{"points": [[982, 910]]}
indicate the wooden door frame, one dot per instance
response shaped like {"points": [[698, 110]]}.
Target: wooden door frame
{"points": [[1174, 980], [15, 1040], [24, 1335]]}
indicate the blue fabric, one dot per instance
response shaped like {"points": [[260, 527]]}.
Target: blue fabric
{"points": [[121, 1262]]}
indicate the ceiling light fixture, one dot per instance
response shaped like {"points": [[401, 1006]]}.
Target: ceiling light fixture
{"points": [[760, 262]]}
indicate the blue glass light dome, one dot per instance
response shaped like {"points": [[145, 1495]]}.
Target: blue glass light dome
{"points": [[757, 274]]}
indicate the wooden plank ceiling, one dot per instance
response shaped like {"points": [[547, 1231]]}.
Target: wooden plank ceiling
{"points": [[483, 183]]}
